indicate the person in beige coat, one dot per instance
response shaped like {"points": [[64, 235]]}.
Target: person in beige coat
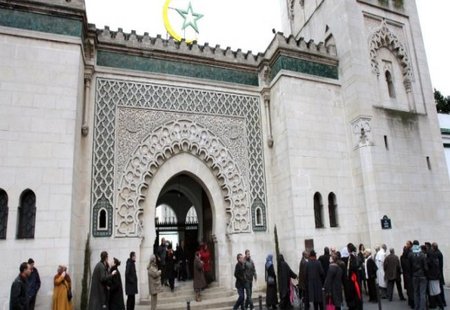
{"points": [[154, 281]]}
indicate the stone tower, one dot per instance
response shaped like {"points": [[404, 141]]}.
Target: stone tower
{"points": [[384, 99]]}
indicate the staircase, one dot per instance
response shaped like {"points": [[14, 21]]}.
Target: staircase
{"points": [[214, 297]]}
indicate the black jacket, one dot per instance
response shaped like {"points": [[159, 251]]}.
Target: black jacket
{"points": [[371, 268], [131, 285], [418, 264], [239, 274], [434, 272], [441, 265], [404, 261], [34, 283], [116, 301], [19, 299]]}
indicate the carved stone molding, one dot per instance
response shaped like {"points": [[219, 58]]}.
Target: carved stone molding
{"points": [[164, 142], [384, 37], [240, 129], [362, 131], [291, 9]]}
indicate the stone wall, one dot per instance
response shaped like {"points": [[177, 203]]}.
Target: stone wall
{"points": [[40, 97]]}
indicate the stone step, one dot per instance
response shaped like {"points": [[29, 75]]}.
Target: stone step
{"points": [[216, 304], [185, 287], [206, 295]]}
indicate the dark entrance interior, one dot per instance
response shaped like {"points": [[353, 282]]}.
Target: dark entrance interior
{"points": [[184, 217]]}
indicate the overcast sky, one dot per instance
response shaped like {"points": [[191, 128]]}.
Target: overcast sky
{"points": [[247, 24]]}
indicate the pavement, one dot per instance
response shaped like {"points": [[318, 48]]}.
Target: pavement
{"points": [[395, 304]]}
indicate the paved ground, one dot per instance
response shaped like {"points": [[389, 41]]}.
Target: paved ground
{"points": [[395, 304]]}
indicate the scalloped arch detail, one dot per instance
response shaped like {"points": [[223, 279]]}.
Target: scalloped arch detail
{"points": [[166, 141], [384, 37]]}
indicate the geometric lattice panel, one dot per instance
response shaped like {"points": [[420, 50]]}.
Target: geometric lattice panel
{"points": [[112, 93]]}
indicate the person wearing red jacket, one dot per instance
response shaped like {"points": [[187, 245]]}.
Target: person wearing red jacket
{"points": [[205, 257]]}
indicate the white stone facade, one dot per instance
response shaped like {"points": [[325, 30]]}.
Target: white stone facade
{"points": [[261, 134]]}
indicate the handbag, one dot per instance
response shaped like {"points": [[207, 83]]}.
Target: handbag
{"points": [[270, 280], [330, 305], [296, 302]]}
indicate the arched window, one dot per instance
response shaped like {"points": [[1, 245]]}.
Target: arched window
{"points": [[191, 216], [165, 215], [102, 222], [318, 210], [258, 216], [27, 215], [332, 210], [390, 84], [3, 213]]}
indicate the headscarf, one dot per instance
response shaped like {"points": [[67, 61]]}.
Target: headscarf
{"points": [[269, 261], [152, 261]]}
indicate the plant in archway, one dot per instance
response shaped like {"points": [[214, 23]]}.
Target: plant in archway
{"points": [[277, 249], [84, 281]]}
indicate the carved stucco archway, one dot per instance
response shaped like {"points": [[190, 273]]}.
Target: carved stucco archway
{"points": [[164, 142], [383, 37]]}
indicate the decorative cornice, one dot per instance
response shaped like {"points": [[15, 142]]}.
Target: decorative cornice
{"points": [[146, 43], [155, 54], [40, 22]]}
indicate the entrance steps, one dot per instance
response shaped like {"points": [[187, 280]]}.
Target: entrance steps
{"points": [[214, 297]]}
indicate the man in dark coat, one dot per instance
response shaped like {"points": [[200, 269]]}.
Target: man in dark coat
{"points": [[131, 285], [371, 274], [301, 278], [239, 274], [181, 261], [314, 276], [19, 298], [418, 268], [392, 273], [101, 279], [285, 274], [34, 284], [325, 259], [161, 259], [407, 280], [250, 274]]}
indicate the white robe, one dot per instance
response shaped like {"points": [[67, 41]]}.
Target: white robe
{"points": [[379, 260]]}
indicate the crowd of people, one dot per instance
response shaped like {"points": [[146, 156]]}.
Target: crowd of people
{"points": [[339, 277], [176, 264], [334, 278], [106, 290]]}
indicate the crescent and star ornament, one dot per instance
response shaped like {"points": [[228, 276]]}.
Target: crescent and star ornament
{"points": [[189, 22]]}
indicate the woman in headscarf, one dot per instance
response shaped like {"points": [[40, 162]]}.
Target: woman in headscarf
{"points": [[271, 281], [199, 276], [61, 290], [284, 284], [116, 301], [154, 281]]}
